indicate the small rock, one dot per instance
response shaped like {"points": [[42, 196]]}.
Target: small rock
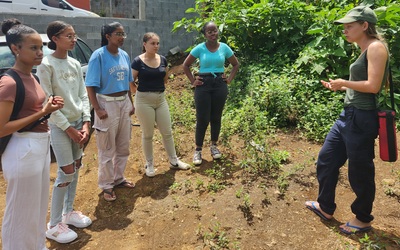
{"points": [[389, 182]]}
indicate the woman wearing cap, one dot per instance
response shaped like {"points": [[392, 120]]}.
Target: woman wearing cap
{"points": [[352, 137]]}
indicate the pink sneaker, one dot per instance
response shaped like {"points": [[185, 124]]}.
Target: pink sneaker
{"points": [[76, 219], [61, 233]]}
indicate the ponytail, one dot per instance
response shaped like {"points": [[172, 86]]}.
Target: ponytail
{"points": [[108, 29]]}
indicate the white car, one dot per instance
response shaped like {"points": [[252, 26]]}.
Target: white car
{"points": [[81, 52], [44, 7]]}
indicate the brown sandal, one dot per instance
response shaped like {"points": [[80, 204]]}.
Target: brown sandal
{"points": [[125, 184], [109, 195]]}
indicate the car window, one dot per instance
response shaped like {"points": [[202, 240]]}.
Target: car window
{"points": [[54, 4], [86, 50], [81, 52], [6, 58], [51, 3]]}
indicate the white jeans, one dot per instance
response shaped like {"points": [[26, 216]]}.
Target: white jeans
{"points": [[26, 169], [152, 108]]}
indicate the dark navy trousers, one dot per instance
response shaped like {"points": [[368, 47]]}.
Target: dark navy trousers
{"points": [[210, 100], [351, 138]]}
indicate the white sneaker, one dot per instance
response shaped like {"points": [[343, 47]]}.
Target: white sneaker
{"points": [[76, 219], [197, 160], [179, 165], [215, 153], [61, 233], [150, 171]]}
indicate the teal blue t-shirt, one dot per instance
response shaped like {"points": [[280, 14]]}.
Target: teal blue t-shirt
{"points": [[212, 62], [109, 73]]}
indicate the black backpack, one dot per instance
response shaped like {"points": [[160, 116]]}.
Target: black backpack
{"points": [[19, 101]]}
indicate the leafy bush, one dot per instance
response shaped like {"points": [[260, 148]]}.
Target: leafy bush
{"points": [[182, 109], [285, 48], [317, 122]]}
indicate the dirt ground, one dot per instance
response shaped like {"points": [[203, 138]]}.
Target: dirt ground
{"points": [[174, 210]]}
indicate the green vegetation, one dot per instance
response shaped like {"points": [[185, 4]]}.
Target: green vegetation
{"points": [[370, 243], [216, 238], [285, 49], [245, 206]]}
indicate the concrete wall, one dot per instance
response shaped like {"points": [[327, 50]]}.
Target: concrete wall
{"points": [[116, 8], [158, 17]]}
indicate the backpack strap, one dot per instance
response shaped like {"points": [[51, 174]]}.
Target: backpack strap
{"points": [[19, 95], [389, 78], [37, 78]]}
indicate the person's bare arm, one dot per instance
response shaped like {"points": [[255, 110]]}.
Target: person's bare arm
{"points": [[101, 113], [235, 63], [186, 68], [377, 56], [8, 127]]}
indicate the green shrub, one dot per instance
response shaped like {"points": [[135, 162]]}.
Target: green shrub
{"points": [[285, 48]]}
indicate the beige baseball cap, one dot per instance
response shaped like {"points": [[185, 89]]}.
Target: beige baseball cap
{"points": [[359, 13]]}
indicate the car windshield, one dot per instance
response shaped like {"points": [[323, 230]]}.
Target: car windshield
{"points": [[6, 58]]}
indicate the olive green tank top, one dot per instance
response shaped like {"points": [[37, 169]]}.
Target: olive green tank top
{"points": [[359, 72]]}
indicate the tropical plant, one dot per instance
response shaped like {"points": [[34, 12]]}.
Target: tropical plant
{"points": [[285, 49]]}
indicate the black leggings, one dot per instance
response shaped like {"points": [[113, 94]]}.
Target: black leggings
{"points": [[210, 100]]}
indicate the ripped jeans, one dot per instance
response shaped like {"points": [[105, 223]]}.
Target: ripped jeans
{"points": [[67, 152]]}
